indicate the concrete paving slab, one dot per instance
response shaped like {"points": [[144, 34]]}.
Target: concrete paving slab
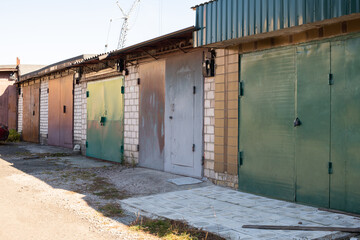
{"points": [[184, 181], [224, 211]]}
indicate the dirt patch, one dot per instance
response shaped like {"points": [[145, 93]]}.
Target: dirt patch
{"points": [[172, 230]]}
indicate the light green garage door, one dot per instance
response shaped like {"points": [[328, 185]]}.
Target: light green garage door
{"points": [[105, 118], [316, 162]]}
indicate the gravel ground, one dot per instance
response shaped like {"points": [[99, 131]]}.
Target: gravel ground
{"points": [[71, 184]]}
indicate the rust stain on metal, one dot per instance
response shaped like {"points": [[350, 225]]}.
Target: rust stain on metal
{"points": [[61, 112], [152, 107], [31, 116]]}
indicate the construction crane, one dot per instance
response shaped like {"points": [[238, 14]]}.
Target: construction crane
{"points": [[125, 25]]}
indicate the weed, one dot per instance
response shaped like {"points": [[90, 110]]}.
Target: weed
{"points": [[100, 187], [171, 229], [111, 210], [14, 136]]}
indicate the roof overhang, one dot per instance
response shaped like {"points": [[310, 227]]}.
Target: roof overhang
{"points": [[52, 68], [143, 47]]}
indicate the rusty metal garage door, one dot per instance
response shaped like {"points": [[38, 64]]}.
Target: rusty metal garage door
{"points": [[61, 112], [152, 106], [8, 108], [31, 115], [184, 114]]}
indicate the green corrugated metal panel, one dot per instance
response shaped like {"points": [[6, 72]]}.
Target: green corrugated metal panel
{"points": [[345, 126], [276, 158], [105, 112], [266, 123], [229, 19], [313, 135]]}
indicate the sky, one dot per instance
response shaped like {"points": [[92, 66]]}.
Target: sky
{"points": [[49, 31]]}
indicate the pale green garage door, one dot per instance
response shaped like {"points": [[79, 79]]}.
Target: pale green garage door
{"points": [[318, 161], [105, 119]]}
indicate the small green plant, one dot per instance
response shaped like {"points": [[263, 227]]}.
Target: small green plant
{"points": [[171, 229], [14, 136], [100, 187], [133, 162], [111, 210]]}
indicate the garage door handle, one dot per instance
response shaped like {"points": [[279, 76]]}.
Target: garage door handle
{"points": [[64, 109], [297, 122]]}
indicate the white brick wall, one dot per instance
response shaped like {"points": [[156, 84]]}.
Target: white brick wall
{"points": [[78, 102], [131, 118], [209, 127], [20, 111], [83, 116], [44, 110]]}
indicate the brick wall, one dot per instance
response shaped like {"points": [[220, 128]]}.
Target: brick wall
{"points": [[20, 110], [44, 110], [131, 118], [78, 102], [83, 117], [226, 117]]}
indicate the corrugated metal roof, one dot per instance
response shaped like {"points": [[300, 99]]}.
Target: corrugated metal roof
{"points": [[53, 67], [222, 20], [203, 4], [152, 43]]}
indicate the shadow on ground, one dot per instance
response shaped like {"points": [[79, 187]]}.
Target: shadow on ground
{"points": [[102, 184]]}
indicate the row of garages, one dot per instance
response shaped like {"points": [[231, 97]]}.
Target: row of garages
{"points": [[271, 110]]}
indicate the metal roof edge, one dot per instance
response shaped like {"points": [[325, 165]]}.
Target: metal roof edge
{"points": [[153, 40], [113, 53], [201, 4], [53, 67]]}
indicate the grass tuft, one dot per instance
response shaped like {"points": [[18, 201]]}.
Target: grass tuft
{"points": [[172, 230], [111, 210]]}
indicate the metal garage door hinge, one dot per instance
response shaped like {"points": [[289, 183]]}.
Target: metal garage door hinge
{"points": [[241, 88], [48, 90], [86, 144], [138, 147], [138, 81], [331, 79], [122, 89], [330, 168], [240, 158], [87, 94], [193, 147]]}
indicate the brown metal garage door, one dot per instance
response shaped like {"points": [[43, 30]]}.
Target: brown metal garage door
{"points": [[61, 112], [31, 116]]}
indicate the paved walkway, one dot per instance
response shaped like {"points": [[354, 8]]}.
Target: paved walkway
{"points": [[224, 211]]}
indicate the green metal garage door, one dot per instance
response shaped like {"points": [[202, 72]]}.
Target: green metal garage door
{"points": [[313, 135], [105, 117], [345, 125], [318, 161], [266, 118]]}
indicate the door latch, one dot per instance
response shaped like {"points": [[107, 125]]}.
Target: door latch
{"points": [[297, 122]]}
